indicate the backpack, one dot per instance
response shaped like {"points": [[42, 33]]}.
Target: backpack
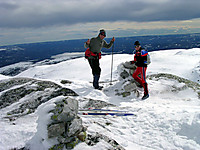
{"points": [[145, 52], [148, 60], [89, 54]]}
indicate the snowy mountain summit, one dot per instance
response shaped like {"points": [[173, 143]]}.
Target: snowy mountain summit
{"points": [[33, 101]]}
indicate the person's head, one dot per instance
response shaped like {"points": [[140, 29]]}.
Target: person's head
{"points": [[102, 33], [137, 45]]}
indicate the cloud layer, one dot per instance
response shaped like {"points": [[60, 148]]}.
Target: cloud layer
{"points": [[37, 13]]}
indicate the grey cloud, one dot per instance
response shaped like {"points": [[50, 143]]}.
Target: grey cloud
{"points": [[7, 6], [35, 13]]}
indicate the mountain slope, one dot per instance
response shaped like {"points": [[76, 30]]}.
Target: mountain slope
{"points": [[168, 119]]}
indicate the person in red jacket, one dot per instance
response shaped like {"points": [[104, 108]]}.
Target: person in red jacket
{"points": [[140, 60]]}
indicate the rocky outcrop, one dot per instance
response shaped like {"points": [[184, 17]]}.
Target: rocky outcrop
{"points": [[187, 83], [62, 126], [58, 124], [65, 125], [86, 104], [27, 94], [127, 69], [126, 85], [93, 139]]}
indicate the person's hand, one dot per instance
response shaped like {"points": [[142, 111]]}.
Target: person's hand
{"points": [[113, 39], [88, 42]]}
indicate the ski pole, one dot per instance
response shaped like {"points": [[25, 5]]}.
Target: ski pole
{"points": [[112, 64]]}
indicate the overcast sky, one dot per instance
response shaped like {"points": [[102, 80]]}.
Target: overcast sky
{"points": [[23, 21]]}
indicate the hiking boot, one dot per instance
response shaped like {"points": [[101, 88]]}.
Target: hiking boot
{"points": [[99, 88], [145, 96], [96, 81]]}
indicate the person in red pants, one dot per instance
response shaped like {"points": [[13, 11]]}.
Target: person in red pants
{"points": [[140, 60]]}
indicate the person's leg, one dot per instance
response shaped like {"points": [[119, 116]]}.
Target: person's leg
{"points": [[96, 71], [135, 75], [145, 85]]}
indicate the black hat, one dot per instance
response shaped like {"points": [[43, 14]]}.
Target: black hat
{"points": [[137, 43], [102, 32]]}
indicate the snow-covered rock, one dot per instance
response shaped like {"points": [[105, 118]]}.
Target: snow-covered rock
{"points": [[24, 95], [62, 127]]}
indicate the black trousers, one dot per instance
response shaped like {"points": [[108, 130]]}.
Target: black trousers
{"points": [[95, 66]]}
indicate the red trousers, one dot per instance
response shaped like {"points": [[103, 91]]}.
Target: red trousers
{"points": [[142, 80]]}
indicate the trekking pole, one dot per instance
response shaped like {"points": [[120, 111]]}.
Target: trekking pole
{"points": [[112, 64]]}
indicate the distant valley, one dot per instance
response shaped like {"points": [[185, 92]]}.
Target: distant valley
{"points": [[37, 52]]}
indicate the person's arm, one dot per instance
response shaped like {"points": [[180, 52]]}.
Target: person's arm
{"points": [[86, 44], [106, 45]]}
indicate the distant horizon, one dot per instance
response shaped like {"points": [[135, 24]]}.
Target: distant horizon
{"points": [[96, 35]]}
